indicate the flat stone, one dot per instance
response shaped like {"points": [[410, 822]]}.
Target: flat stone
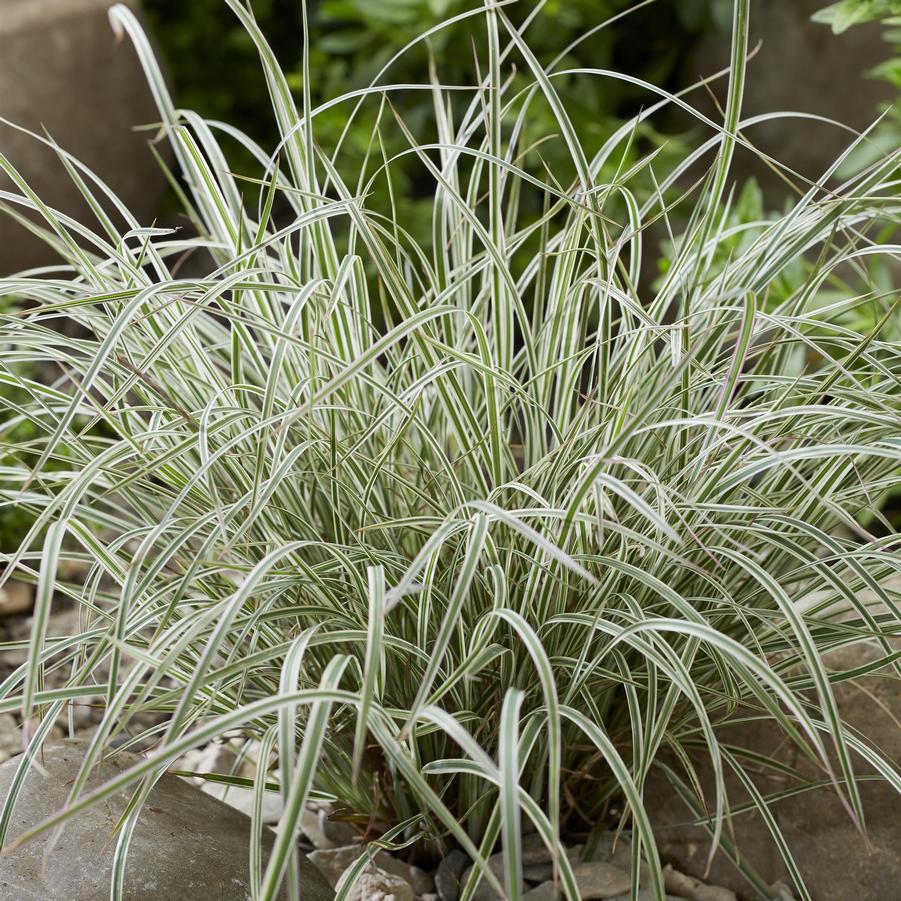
{"points": [[422, 882], [218, 757], [63, 621], [534, 850], [833, 858], [644, 894], [222, 758], [187, 845], [332, 862], [332, 828], [594, 879], [311, 825], [242, 798], [323, 832], [537, 859], [61, 68], [616, 848], [86, 712], [781, 892]]}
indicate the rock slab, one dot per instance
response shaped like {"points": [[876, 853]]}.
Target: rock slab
{"points": [[187, 845], [833, 859]]}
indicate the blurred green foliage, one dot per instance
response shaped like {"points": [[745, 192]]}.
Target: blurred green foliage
{"points": [[216, 71], [885, 138], [14, 520], [842, 15], [847, 13], [15, 435]]}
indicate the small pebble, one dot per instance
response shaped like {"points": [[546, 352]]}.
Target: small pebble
{"points": [[332, 862], [534, 850], [447, 876], [16, 598], [712, 893], [547, 891], [311, 826], [485, 891], [375, 884], [541, 872], [678, 883], [597, 879]]}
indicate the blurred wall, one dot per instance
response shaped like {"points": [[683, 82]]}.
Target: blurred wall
{"points": [[802, 66], [62, 69]]}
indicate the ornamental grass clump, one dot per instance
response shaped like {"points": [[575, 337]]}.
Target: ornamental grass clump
{"points": [[471, 537]]}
